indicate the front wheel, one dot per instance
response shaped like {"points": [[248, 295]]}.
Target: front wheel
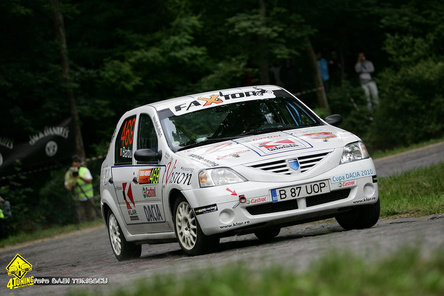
{"points": [[191, 238], [360, 217], [122, 249]]}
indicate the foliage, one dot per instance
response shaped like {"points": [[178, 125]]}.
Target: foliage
{"points": [[411, 105]]}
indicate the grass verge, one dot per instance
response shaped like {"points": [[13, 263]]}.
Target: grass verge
{"points": [[50, 232], [405, 273], [414, 193]]}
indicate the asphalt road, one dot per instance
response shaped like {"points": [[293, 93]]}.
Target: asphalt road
{"points": [[87, 253], [410, 160]]}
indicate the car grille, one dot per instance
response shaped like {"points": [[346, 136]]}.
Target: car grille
{"points": [[293, 204], [282, 167]]}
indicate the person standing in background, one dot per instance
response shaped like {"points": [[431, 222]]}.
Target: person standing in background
{"points": [[364, 68]]}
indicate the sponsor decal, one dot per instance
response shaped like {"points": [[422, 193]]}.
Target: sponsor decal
{"points": [[235, 224], [214, 99], [129, 200], [321, 135], [149, 192], [153, 213], [181, 178], [279, 145], [375, 179], [128, 195], [158, 128], [206, 209], [217, 99], [133, 215], [169, 169], [234, 154], [204, 160], [18, 268], [148, 176], [125, 152], [347, 184], [352, 175], [256, 200], [367, 199]]}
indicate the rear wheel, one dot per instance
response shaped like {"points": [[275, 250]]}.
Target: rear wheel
{"points": [[122, 249], [267, 234], [191, 238], [360, 217]]}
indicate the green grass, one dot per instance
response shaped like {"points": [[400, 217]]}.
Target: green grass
{"points": [[414, 193], [405, 273], [23, 237]]}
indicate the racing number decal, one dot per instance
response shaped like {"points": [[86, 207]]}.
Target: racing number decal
{"points": [[128, 132]]}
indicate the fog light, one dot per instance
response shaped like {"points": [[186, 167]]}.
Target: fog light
{"points": [[369, 190], [226, 216]]}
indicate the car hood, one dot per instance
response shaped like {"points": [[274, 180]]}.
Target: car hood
{"points": [[282, 144]]}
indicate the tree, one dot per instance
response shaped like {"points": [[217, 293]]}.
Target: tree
{"points": [[60, 34]]}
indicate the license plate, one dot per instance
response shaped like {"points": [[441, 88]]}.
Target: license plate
{"points": [[300, 191]]}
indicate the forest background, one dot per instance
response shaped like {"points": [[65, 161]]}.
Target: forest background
{"points": [[122, 54]]}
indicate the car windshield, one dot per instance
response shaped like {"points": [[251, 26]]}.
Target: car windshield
{"points": [[236, 120]]}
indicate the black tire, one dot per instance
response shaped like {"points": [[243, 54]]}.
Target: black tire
{"points": [[188, 232], [360, 217], [122, 249], [267, 234]]}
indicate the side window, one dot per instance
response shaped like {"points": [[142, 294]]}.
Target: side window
{"points": [[147, 137], [124, 141]]}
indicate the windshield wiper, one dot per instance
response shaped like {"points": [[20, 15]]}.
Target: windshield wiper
{"points": [[205, 142]]}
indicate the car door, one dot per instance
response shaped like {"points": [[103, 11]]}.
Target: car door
{"points": [[147, 183], [138, 185]]}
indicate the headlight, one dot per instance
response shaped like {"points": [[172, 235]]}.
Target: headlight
{"points": [[354, 151], [219, 176]]}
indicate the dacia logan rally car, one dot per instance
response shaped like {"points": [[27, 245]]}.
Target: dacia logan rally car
{"points": [[226, 162]]}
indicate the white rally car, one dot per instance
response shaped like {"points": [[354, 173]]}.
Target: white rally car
{"points": [[226, 162]]}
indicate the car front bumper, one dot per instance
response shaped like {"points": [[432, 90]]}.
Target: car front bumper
{"points": [[243, 205]]}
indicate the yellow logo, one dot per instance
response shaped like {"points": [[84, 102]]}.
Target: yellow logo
{"points": [[18, 268]]}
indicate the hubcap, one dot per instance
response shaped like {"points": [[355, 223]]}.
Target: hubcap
{"points": [[186, 226], [114, 234]]}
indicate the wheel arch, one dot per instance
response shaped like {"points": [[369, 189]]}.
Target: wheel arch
{"points": [[174, 195]]}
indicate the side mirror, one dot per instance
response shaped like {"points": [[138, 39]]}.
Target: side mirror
{"points": [[334, 119], [147, 155]]}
